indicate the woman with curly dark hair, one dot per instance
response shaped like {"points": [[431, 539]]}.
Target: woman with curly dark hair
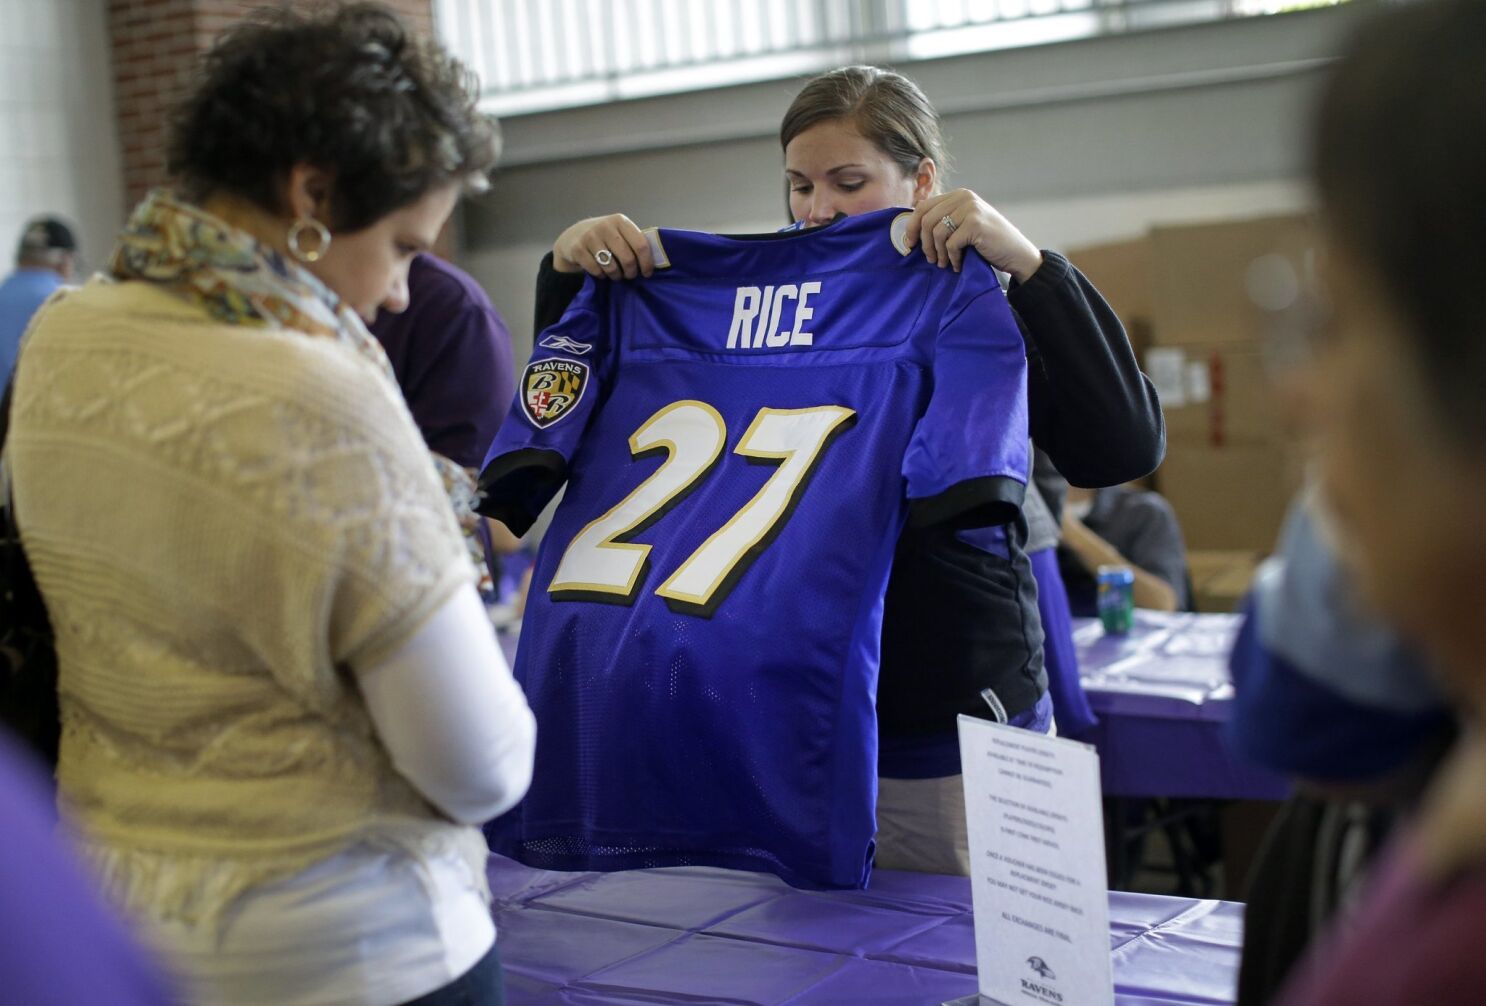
{"points": [[282, 704]]}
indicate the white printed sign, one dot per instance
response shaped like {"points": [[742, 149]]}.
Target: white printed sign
{"points": [[1167, 369], [1037, 876], [1199, 383]]}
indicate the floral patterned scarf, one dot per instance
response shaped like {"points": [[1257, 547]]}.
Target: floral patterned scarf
{"points": [[239, 281]]}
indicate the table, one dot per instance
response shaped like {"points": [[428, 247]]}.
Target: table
{"points": [[696, 935], [1162, 694]]}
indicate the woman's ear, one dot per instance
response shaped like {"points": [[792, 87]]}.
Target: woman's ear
{"points": [[925, 180], [307, 192]]}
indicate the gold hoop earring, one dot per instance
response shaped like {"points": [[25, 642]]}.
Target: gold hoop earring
{"points": [[296, 234]]}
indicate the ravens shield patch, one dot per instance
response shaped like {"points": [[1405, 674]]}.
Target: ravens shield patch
{"points": [[550, 389]]}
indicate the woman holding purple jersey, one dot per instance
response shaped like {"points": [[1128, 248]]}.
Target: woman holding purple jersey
{"points": [[962, 631]]}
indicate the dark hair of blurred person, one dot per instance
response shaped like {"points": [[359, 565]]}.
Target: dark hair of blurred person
{"points": [[283, 707], [1402, 361]]}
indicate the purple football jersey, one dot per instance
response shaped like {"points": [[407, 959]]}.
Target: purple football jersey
{"points": [[741, 437]]}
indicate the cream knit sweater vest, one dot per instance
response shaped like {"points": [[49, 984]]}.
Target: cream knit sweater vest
{"points": [[222, 520]]}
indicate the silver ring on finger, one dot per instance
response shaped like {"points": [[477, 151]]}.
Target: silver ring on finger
{"points": [[604, 257], [948, 223]]}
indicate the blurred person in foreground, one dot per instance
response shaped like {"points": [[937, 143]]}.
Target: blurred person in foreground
{"points": [[1401, 361], [61, 947], [283, 707], [45, 259], [1329, 695]]}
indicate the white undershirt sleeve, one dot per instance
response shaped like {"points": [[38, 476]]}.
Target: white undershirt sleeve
{"points": [[451, 715]]}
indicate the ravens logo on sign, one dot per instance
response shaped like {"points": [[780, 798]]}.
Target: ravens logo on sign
{"points": [[551, 389], [1040, 966]]}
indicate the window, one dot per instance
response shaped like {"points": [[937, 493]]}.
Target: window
{"points": [[534, 55]]}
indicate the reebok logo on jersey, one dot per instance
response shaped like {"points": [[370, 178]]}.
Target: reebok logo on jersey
{"points": [[564, 344], [551, 389], [898, 233], [772, 316]]}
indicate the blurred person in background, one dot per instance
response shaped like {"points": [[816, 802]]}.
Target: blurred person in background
{"points": [[1123, 526], [45, 260], [283, 707], [450, 351], [1400, 360], [961, 628]]}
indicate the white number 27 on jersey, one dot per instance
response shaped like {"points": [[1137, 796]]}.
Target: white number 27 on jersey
{"points": [[603, 564]]}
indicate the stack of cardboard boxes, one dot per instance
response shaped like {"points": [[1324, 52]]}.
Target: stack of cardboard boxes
{"points": [[1187, 297]]}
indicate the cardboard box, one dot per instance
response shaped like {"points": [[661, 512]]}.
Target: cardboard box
{"points": [[1200, 290], [1121, 271], [1233, 497], [1184, 293], [1221, 577], [1224, 398]]}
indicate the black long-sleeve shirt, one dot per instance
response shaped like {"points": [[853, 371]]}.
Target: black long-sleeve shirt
{"points": [[1092, 410], [959, 617]]}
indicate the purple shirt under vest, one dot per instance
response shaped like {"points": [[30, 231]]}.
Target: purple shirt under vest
{"points": [[451, 353], [60, 944]]}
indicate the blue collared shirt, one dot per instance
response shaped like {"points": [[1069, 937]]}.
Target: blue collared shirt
{"points": [[21, 294]]}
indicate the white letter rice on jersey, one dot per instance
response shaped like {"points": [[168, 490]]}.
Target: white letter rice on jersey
{"points": [[775, 337], [804, 314], [745, 309]]}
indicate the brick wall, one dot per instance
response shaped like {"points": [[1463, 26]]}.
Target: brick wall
{"points": [[156, 45]]}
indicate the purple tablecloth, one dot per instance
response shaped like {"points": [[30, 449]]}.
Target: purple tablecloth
{"points": [[1162, 694], [699, 935]]}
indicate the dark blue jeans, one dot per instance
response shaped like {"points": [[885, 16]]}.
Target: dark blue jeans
{"points": [[481, 985]]}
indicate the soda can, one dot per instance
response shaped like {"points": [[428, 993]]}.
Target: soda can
{"points": [[1117, 599]]}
